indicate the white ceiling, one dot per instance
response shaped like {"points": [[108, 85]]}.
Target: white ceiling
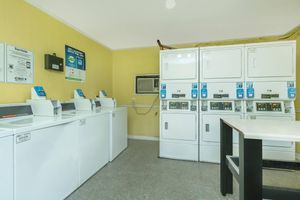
{"points": [[120, 24]]}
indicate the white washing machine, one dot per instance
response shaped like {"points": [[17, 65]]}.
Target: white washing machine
{"points": [[274, 110], [93, 128], [7, 164], [211, 112], [179, 129], [45, 154], [118, 137]]}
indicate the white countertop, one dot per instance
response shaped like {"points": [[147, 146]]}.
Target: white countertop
{"points": [[266, 129]]}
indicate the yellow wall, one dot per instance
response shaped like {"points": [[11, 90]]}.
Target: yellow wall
{"points": [[126, 64], [27, 27]]}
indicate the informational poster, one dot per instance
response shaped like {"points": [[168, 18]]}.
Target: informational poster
{"points": [[75, 64], [19, 65], [2, 62]]}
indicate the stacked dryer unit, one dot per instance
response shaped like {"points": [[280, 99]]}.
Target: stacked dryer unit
{"points": [[179, 104], [253, 81], [270, 87], [222, 93]]}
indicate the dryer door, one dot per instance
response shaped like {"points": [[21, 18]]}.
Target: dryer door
{"points": [[222, 63], [179, 65], [211, 128], [179, 126], [270, 61]]}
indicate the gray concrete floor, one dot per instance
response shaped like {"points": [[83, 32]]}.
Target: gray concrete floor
{"points": [[137, 174]]}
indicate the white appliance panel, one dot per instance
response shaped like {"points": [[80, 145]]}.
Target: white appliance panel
{"points": [[119, 134], [271, 60], [221, 89], [183, 126], [6, 168], [220, 63], [46, 154], [182, 90], [179, 64], [94, 141], [270, 88], [211, 127]]}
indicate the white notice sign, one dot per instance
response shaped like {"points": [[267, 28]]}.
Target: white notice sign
{"points": [[19, 65], [2, 62]]}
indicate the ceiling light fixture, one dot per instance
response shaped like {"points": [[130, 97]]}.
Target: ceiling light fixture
{"points": [[170, 4]]}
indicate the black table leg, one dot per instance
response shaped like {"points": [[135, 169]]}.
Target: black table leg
{"points": [[226, 149], [250, 169]]}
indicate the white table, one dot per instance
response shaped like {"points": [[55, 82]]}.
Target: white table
{"points": [[247, 168]]}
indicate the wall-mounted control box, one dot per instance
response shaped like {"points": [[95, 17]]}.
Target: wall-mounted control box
{"points": [[53, 62]]}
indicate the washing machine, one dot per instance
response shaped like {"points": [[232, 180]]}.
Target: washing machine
{"points": [[44, 151], [273, 110], [7, 163], [211, 113], [93, 128]]}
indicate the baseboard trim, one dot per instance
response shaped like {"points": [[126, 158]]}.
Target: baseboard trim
{"points": [[298, 156], [141, 137]]}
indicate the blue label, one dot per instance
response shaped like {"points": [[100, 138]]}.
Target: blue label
{"points": [[204, 93], [203, 90], [239, 93], [250, 90], [195, 90], [291, 93], [40, 91], [80, 93], [194, 93], [239, 90], [163, 94], [291, 89], [195, 86], [163, 86]]}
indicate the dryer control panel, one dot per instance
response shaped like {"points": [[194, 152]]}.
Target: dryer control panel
{"points": [[269, 106], [221, 106], [177, 105], [272, 107]]}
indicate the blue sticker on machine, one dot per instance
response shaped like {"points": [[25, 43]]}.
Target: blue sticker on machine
{"points": [[195, 85], [291, 93], [250, 90], [40, 91], [194, 93], [163, 94], [203, 90], [239, 90], [239, 93], [80, 93], [291, 89]]}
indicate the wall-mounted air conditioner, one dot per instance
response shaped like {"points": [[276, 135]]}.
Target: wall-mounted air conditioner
{"points": [[147, 84]]}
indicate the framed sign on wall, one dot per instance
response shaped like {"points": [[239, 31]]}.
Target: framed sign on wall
{"points": [[75, 64]]}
